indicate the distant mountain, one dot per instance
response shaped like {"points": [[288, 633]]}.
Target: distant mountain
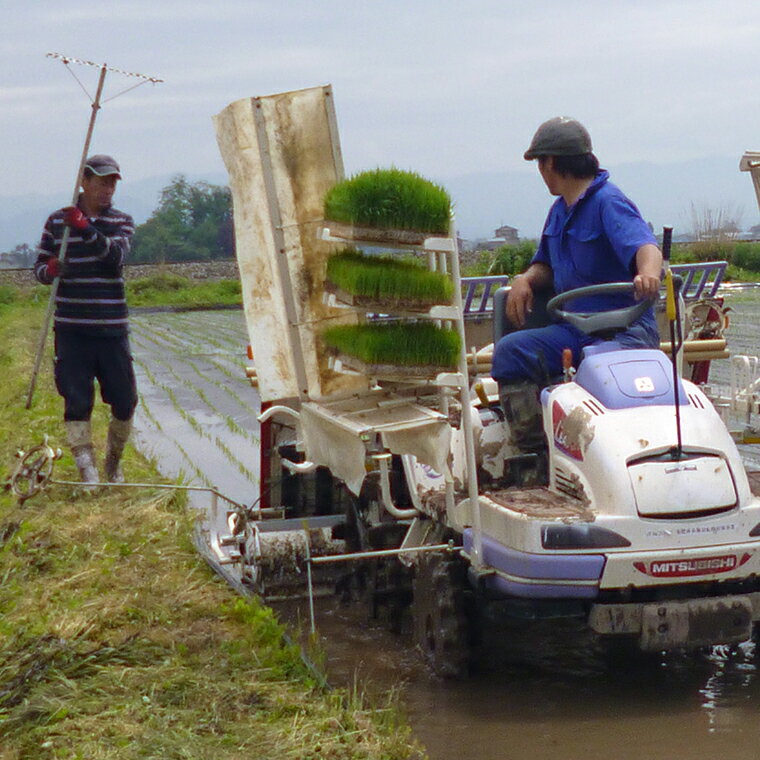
{"points": [[663, 192], [483, 201]]}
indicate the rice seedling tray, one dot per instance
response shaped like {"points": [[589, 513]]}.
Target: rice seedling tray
{"points": [[355, 234], [383, 305], [388, 372], [396, 344], [390, 199]]}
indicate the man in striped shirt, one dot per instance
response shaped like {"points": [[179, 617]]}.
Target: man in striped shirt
{"points": [[90, 323]]}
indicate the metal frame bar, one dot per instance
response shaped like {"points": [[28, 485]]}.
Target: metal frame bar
{"points": [[363, 555], [332, 123], [206, 489], [466, 407], [279, 242], [688, 272]]}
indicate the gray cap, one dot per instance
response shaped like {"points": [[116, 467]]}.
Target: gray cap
{"points": [[560, 136], [103, 165]]}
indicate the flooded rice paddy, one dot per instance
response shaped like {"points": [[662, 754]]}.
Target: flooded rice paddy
{"points": [[540, 692]]}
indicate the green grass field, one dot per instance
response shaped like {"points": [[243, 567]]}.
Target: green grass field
{"points": [[117, 641], [165, 289]]}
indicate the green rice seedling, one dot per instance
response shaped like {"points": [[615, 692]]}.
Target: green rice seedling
{"points": [[384, 278], [417, 344], [242, 469], [390, 199], [170, 394]]}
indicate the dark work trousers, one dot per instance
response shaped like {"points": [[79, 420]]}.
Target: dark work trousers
{"points": [[82, 358]]}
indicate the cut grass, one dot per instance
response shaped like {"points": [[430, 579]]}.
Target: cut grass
{"points": [[418, 344], [390, 199], [387, 279], [118, 642]]}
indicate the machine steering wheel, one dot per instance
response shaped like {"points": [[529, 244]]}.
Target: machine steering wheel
{"points": [[602, 321]]}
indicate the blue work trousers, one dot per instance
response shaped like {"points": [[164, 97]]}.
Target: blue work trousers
{"points": [[82, 359], [536, 355]]}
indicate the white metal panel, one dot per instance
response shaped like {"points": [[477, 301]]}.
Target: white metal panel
{"points": [[692, 485], [236, 135], [282, 155]]}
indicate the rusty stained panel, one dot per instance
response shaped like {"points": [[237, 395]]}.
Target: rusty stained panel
{"points": [[542, 503], [266, 319], [303, 163], [297, 144]]}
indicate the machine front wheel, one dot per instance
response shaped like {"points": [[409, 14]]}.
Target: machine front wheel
{"points": [[443, 615]]}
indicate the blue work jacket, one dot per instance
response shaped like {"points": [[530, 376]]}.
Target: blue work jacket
{"points": [[594, 241]]}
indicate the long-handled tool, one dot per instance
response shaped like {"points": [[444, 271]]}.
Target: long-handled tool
{"points": [[96, 103], [671, 309]]}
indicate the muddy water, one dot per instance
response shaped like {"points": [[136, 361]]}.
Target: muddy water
{"points": [[544, 690], [540, 691], [197, 411]]}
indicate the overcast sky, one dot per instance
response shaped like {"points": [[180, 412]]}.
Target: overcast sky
{"points": [[442, 87]]}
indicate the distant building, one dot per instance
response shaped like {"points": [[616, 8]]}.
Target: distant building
{"points": [[21, 257], [505, 235], [509, 234]]}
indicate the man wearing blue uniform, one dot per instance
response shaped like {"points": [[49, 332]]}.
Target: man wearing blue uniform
{"points": [[593, 234]]}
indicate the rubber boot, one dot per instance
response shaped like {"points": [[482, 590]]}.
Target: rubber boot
{"points": [[522, 411], [79, 435], [118, 435]]}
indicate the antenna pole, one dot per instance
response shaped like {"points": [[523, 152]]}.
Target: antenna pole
{"points": [[671, 307]]}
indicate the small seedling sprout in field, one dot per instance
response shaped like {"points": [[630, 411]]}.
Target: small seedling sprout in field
{"points": [[419, 344], [385, 278], [170, 343], [390, 199]]}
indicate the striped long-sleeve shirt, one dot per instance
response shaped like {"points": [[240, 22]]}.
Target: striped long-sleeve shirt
{"points": [[90, 297]]}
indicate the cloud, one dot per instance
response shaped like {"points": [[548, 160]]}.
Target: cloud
{"points": [[446, 87]]}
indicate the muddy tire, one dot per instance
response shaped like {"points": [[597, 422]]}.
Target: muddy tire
{"points": [[443, 615], [389, 594]]}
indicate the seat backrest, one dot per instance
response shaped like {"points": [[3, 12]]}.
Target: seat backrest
{"points": [[538, 317]]}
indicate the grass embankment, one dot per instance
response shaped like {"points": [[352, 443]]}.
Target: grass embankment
{"points": [[743, 258], [117, 641], [167, 289]]}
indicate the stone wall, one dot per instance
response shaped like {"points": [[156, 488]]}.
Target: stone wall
{"points": [[194, 270]]}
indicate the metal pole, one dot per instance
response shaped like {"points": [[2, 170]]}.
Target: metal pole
{"points": [[65, 241], [464, 394], [675, 332], [383, 553]]}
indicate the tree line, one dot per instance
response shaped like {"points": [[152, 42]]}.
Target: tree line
{"points": [[192, 222]]}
